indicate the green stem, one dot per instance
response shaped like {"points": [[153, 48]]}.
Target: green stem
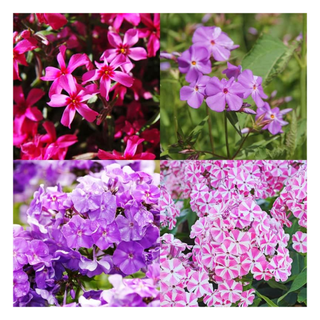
{"points": [[210, 129], [303, 75], [226, 133], [241, 145], [216, 155]]}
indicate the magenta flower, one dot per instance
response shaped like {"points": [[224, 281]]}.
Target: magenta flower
{"points": [[129, 257], [24, 107], [195, 92], [55, 74], [275, 116], [133, 18], [224, 92], [74, 102], [123, 49], [194, 62], [54, 20], [215, 41], [253, 87], [129, 152], [172, 271], [18, 56], [152, 32], [105, 73]]}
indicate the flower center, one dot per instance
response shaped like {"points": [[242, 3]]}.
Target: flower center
{"points": [[79, 233], [212, 42], [196, 88], [131, 224], [193, 63], [107, 72], [254, 87], [225, 91], [123, 49], [130, 255], [53, 198], [272, 116], [104, 233]]}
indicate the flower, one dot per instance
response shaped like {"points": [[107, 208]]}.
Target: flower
{"points": [[195, 92], [252, 86], [299, 242], [54, 20], [129, 153], [222, 92], [123, 49], [232, 71], [275, 116], [74, 102], [194, 62], [129, 257], [107, 72], [152, 32], [56, 75], [215, 41]]}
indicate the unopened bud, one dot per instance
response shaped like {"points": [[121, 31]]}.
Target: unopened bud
{"points": [[186, 151], [245, 130]]}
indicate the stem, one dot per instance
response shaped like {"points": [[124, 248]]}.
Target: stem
{"points": [[241, 145], [210, 129], [216, 155], [226, 133], [303, 75]]}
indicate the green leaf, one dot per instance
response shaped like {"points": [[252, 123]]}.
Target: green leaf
{"points": [[268, 57], [302, 296], [276, 285], [291, 138], [233, 118], [194, 134], [267, 300], [297, 283]]}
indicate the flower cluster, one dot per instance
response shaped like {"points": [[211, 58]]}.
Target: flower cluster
{"points": [[97, 70], [223, 94], [235, 240], [105, 225]]}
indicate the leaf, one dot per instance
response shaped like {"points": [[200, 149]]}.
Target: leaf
{"points": [[291, 138], [297, 283], [276, 285], [194, 134], [268, 57], [302, 296], [266, 299], [233, 118]]}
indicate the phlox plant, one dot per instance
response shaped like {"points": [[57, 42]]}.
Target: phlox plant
{"points": [[86, 86], [92, 243], [233, 233], [230, 99]]}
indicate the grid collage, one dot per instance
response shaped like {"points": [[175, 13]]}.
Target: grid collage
{"points": [[159, 160]]}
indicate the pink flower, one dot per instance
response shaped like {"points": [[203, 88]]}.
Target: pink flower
{"points": [[172, 271], [261, 271], [152, 32], [18, 56], [299, 242], [230, 290], [198, 283], [247, 298], [105, 73], [55, 74], [123, 49], [129, 152], [54, 20], [24, 107], [74, 102], [186, 299], [227, 268]]}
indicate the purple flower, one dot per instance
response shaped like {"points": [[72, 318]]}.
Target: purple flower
{"points": [[107, 208], [215, 41], [95, 267], [193, 62], [146, 192], [232, 71], [195, 92], [20, 247], [21, 285], [106, 234], [38, 253], [129, 257], [275, 115], [252, 86], [78, 233], [224, 92], [150, 237]]}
